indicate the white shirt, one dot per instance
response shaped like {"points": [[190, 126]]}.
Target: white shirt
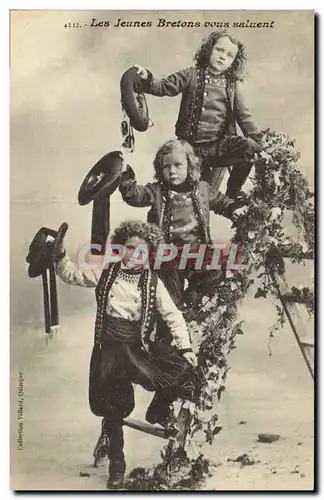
{"points": [[124, 298]]}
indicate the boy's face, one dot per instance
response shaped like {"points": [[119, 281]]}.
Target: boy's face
{"points": [[175, 168], [135, 252], [222, 55]]}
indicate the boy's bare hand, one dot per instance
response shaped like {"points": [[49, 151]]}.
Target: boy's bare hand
{"points": [[124, 163], [191, 358], [142, 72], [240, 211], [59, 253]]}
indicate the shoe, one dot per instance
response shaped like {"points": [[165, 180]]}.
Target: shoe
{"points": [[235, 194], [162, 414], [117, 464], [116, 481]]}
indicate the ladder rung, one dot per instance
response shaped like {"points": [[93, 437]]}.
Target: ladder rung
{"points": [[286, 297], [289, 297], [145, 427], [307, 343], [306, 256]]}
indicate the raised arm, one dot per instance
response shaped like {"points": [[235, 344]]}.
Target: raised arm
{"points": [[71, 274], [170, 86], [133, 193], [221, 204]]}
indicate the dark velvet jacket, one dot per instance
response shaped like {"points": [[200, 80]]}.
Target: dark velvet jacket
{"points": [[191, 83], [152, 195]]}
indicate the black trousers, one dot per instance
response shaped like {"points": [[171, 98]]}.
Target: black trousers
{"points": [[111, 393], [115, 366], [231, 151], [199, 281]]}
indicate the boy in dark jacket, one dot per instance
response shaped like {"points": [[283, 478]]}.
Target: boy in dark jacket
{"points": [[180, 205], [212, 104]]}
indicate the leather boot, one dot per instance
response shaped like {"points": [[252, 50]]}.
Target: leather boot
{"points": [[117, 464], [237, 179], [161, 411]]}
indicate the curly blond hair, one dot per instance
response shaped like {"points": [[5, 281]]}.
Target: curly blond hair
{"points": [[144, 230], [192, 160]]}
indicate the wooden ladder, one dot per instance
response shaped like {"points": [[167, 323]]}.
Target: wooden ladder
{"points": [[306, 344]]}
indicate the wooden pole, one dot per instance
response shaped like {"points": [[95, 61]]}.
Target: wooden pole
{"points": [[100, 222], [145, 427], [54, 303], [47, 313]]}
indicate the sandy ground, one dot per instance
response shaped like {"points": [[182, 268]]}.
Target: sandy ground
{"points": [[265, 394]]}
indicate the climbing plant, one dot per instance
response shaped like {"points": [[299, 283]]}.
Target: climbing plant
{"points": [[280, 197]]}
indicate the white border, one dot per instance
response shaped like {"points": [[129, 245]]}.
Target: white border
{"points": [[317, 6]]}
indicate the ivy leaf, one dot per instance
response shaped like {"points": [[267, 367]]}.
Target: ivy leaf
{"points": [[191, 408], [210, 387], [209, 437], [275, 213], [222, 309], [277, 179], [265, 155], [196, 428], [260, 293], [220, 392]]}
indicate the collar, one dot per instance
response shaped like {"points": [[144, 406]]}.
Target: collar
{"points": [[128, 270], [215, 75], [182, 188]]}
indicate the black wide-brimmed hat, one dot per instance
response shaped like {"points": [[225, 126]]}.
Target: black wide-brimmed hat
{"points": [[133, 99], [104, 176], [40, 256], [41, 252]]}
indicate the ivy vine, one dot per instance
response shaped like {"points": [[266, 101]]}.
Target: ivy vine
{"points": [[279, 191]]}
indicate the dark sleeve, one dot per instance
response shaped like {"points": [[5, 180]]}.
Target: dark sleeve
{"points": [[170, 86], [243, 114], [135, 194], [257, 138], [221, 204]]}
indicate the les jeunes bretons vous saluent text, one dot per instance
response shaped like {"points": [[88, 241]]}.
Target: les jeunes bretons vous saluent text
{"points": [[164, 23]]}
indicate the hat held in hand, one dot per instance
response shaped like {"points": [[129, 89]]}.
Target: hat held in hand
{"points": [[42, 249], [104, 176], [133, 100]]}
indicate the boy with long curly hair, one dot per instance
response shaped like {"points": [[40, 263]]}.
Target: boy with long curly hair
{"points": [[127, 347], [180, 205], [212, 105]]}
